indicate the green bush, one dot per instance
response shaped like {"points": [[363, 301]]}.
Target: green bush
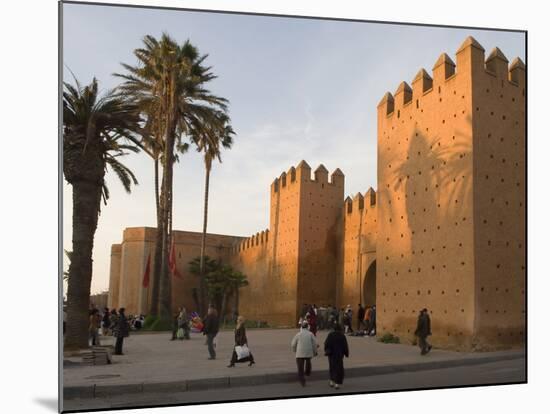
{"points": [[154, 323], [247, 324], [389, 338], [160, 325], [149, 321]]}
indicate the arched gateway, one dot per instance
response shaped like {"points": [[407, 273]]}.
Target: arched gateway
{"points": [[369, 285]]}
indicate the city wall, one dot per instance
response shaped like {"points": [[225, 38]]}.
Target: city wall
{"points": [[358, 251], [137, 244], [435, 183], [445, 229], [297, 261], [499, 191]]}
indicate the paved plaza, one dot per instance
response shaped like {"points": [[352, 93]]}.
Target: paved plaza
{"points": [[154, 363]]}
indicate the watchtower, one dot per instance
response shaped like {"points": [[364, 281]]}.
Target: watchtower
{"points": [[305, 222], [451, 194]]}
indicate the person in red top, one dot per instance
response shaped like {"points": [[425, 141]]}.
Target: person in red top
{"points": [[311, 318], [368, 319]]}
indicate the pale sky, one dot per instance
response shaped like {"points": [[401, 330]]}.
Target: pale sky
{"points": [[298, 89]]}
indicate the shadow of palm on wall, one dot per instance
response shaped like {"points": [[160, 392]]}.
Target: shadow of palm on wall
{"points": [[435, 180]]}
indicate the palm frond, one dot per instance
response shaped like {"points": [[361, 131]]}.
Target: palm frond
{"points": [[125, 175]]}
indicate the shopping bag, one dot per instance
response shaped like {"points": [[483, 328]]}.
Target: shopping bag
{"points": [[242, 352], [180, 333]]}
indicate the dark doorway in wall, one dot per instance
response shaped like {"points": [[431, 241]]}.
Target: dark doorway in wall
{"points": [[369, 285]]}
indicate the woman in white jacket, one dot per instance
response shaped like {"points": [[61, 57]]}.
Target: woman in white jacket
{"points": [[305, 347]]}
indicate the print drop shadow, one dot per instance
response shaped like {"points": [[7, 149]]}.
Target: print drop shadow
{"points": [[49, 403]]}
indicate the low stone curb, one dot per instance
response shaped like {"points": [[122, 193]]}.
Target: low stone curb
{"points": [[95, 390]]}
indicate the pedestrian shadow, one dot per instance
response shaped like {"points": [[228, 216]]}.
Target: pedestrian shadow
{"points": [[51, 404]]}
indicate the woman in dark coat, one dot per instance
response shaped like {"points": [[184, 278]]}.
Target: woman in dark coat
{"points": [[240, 340], [121, 331], [423, 330], [336, 347]]}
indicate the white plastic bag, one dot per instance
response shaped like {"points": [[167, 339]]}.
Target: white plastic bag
{"points": [[242, 352]]}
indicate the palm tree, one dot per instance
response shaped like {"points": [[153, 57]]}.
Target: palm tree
{"points": [[142, 86], [66, 272], [210, 137], [169, 85], [209, 266], [238, 280], [217, 286], [96, 132]]}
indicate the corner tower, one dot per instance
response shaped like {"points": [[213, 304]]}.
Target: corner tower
{"points": [[451, 193], [305, 222]]}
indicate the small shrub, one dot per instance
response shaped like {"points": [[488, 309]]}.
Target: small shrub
{"points": [[160, 325], [389, 338], [247, 324], [229, 325], [149, 320]]}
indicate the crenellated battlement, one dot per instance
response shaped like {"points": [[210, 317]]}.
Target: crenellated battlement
{"points": [[360, 201], [470, 60], [403, 94], [259, 239], [443, 69], [421, 83], [302, 173]]}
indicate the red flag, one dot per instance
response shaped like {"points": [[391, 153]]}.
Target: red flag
{"points": [[172, 260], [147, 272]]}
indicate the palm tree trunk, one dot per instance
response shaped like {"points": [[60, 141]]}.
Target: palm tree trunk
{"points": [[86, 199], [165, 291], [224, 304], [237, 301], [203, 241], [165, 301], [154, 306]]}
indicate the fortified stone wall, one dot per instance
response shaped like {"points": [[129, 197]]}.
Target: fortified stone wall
{"points": [[99, 300], [319, 235], [499, 197], [136, 246], [137, 243], [187, 248], [299, 261], [251, 256], [114, 277], [358, 252], [428, 248]]}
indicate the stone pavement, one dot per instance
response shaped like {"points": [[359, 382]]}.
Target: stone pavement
{"points": [[154, 363]]}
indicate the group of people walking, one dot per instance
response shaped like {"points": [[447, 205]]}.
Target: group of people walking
{"points": [[324, 317], [366, 319], [112, 323], [304, 345], [240, 352], [180, 325]]}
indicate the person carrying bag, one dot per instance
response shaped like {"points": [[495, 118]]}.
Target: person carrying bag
{"points": [[241, 353]]}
